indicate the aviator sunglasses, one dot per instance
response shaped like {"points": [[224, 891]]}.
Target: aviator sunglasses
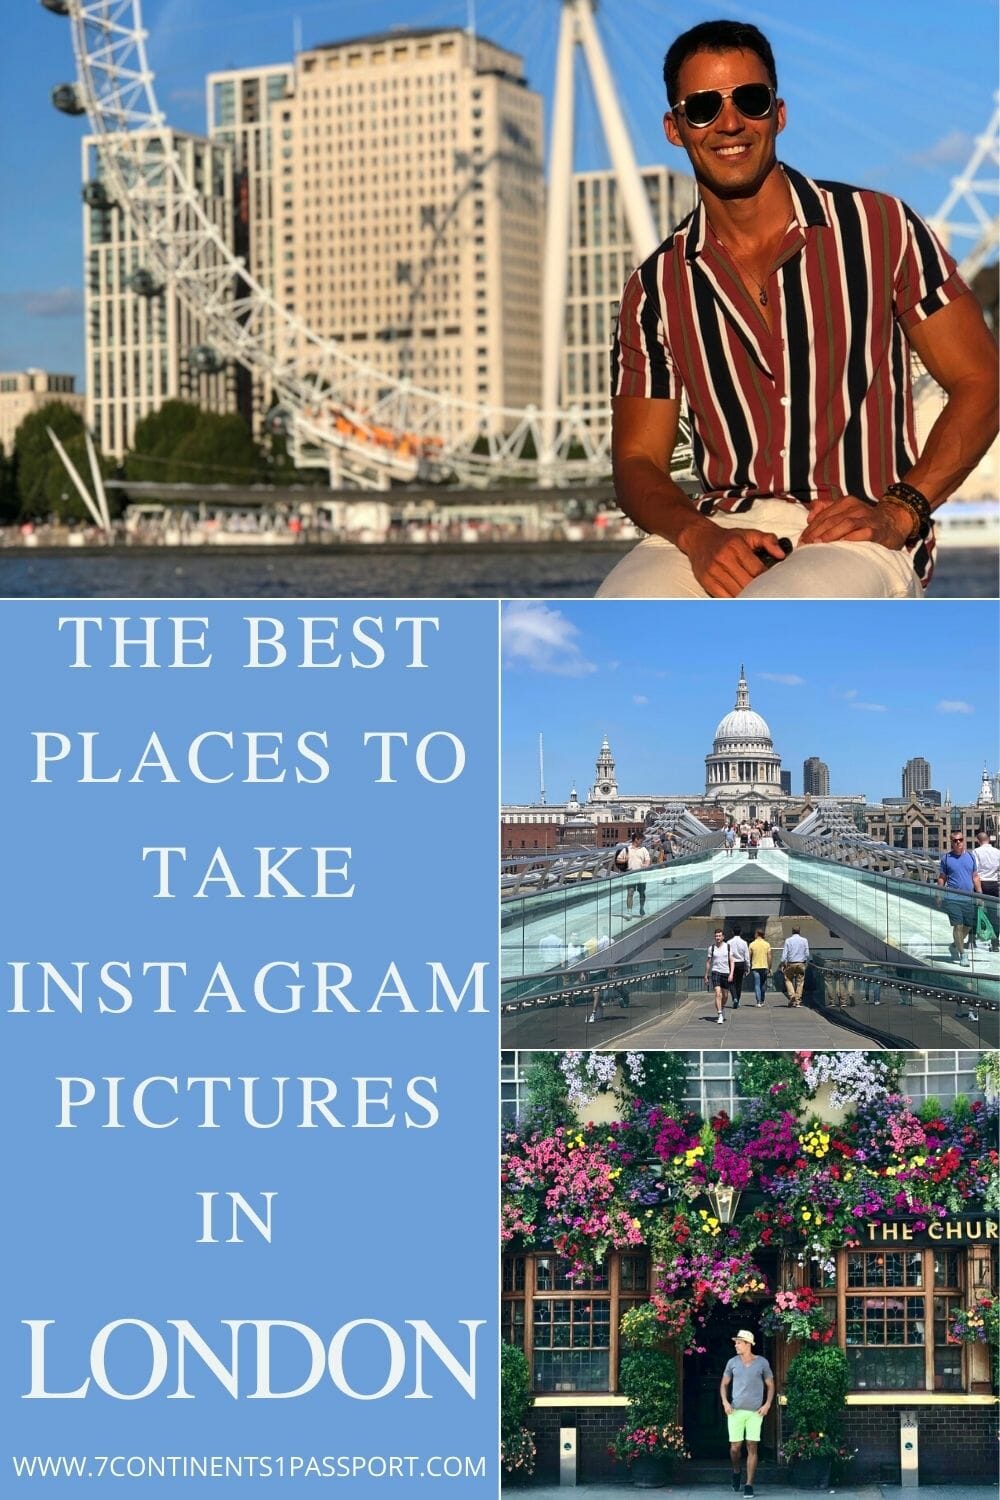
{"points": [[754, 100]]}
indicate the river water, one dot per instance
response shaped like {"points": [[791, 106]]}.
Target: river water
{"points": [[473, 571]]}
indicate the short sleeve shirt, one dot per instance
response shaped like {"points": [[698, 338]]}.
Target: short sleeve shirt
{"points": [[958, 870], [760, 953], [821, 406], [747, 1390]]}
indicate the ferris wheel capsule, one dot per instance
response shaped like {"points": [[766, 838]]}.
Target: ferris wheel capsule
{"points": [[57, 7], [278, 422], [96, 195], [205, 360], [66, 98], [143, 283]]}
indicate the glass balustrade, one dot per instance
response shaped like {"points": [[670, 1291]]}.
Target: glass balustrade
{"points": [[590, 1005]]}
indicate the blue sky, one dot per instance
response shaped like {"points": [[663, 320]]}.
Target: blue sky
{"points": [[876, 95], [864, 686]]}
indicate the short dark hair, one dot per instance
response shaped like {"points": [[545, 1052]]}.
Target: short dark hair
{"points": [[715, 36]]}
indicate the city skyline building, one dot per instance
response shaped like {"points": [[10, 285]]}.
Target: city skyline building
{"points": [[916, 776], [25, 391], [142, 342], [411, 192], [601, 258], [240, 106], [815, 777]]}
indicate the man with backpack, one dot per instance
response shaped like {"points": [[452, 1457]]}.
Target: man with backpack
{"points": [[719, 971]]}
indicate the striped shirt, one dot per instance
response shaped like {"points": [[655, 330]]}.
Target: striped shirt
{"points": [[820, 408]]}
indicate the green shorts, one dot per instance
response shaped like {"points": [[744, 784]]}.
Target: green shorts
{"points": [[744, 1424]]}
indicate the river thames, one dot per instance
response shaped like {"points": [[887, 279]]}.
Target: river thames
{"points": [[489, 571]]}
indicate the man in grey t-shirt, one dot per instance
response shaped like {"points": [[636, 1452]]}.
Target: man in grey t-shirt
{"points": [[747, 1391]]}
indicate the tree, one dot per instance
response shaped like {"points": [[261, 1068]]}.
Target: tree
{"points": [[180, 444], [44, 487], [9, 503]]}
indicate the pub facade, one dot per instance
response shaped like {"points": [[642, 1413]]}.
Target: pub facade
{"points": [[901, 1286]]}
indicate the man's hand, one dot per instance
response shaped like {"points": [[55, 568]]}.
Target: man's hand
{"points": [[762, 1411], [723, 560], [853, 520], [727, 1408]]}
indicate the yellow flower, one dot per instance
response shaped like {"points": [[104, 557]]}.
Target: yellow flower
{"points": [[713, 1223], [891, 1171]]}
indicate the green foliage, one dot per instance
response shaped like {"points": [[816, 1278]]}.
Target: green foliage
{"points": [[515, 1389], [929, 1110], [664, 1082], [961, 1109], [44, 488], [640, 1327], [9, 501], [649, 1380], [181, 444], [816, 1388], [773, 1079], [988, 1074], [546, 1093]]}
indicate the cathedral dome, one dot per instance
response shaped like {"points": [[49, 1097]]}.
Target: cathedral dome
{"points": [[741, 726]]}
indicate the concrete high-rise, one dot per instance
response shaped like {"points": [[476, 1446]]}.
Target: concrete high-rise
{"points": [[916, 776], [139, 335], [601, 259], [25, 391], [815, 777], [410, 192], [242, 110]]}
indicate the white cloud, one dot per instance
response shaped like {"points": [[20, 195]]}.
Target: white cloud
{"points": [[954, 706], [788, 679], [543, 640], [952, 149], [639, 698], [54, 302], [871, 708]]}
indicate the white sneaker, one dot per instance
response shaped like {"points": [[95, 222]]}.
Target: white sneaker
{"points": [[963, 959], [720, 1021]]}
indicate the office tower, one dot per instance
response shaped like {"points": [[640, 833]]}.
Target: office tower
{"points": [[25, 391], [786, 783], [601, 260], [916, 776], [242, 109], [411, 201], [139, 335], [815, 777]]}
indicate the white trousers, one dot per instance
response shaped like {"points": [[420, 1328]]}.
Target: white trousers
{"points": [[656, 569]]}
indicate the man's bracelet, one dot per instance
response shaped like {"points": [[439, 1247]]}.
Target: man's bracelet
{"points": [[917, 505]]}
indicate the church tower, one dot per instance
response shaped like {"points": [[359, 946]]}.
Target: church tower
{"points": [[605, 788]]}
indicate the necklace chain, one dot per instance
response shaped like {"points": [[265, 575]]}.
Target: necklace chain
{"points": [[761, 288]]}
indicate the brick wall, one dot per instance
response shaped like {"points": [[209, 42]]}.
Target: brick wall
{"points": [[594, 1428], [955, 1443]]}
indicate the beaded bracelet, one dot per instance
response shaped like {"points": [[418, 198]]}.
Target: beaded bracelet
{"points": [[917, 505]]}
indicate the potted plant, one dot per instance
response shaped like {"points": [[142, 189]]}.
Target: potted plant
{"points": [[651, 1439], [798, 1314], [649, 1452], [517, 1446], [816, 1391]]}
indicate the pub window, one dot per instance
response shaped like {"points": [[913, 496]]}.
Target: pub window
{"points": [[897, 1310], [568, 1326]]}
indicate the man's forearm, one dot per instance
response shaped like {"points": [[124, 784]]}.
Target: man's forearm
{"points": [[651, 499], [957, 441]]}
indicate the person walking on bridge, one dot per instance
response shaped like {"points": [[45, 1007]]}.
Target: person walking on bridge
{"points": [[760, 964], [794, 958], [719, 971], [958, 875], [638, 862]]}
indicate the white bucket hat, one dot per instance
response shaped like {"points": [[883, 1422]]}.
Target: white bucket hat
{"points": [[744, 1333]]}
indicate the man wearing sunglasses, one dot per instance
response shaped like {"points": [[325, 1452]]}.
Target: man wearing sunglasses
{"points": [[782, 313]]}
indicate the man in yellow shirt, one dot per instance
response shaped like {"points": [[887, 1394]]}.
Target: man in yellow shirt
{"points": [[760, 964]]}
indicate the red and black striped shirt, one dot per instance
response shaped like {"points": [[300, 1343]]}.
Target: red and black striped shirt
{"points": [[820, 408]]}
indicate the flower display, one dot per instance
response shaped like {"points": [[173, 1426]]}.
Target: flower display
{"points": [[977, 1324], [798, 1446], [517, 1452], [630, 1443], [799, 1314], [859, 1078]]}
